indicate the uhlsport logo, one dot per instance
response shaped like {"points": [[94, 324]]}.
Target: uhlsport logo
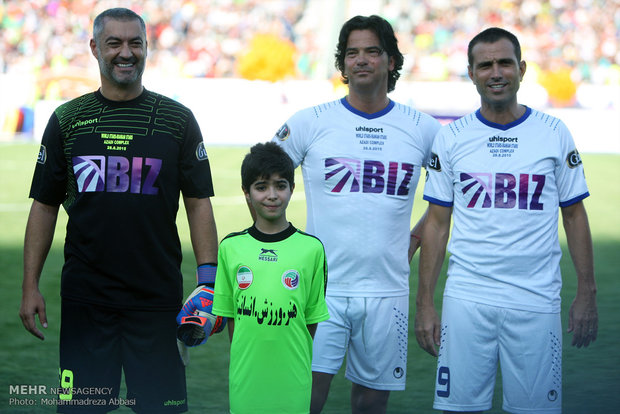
{"points": [[503, 190], [349, 175], [268, 255], [290, 279], [115, 174], [244, 277]]}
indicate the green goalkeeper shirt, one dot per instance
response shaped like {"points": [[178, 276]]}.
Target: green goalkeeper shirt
{"points": [[273, 285]]}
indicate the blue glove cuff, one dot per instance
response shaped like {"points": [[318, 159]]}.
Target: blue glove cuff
{"points": [[205, 274]]}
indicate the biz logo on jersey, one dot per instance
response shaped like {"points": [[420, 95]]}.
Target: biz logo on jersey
{"points": [[573, 159], [290, 279], [368, 176], [503, 190], [268, 255], [114, 174]]}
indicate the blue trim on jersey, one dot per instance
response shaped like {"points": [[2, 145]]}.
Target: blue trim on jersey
{"points": [[382, 112], [574, 200], [528, 112], [438, 202]]}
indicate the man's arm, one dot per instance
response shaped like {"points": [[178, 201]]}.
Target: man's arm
{"points": [[583, 314], [37, 242], [435, 235], [203, 232], [415, 235]]}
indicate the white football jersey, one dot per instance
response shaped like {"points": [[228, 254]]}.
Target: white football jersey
{"points": [[360, 174], [505, 184]]}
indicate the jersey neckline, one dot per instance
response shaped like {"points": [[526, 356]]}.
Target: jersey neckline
{"points": [[382, 112], [528, 112], [130, 102], [272, 238]]}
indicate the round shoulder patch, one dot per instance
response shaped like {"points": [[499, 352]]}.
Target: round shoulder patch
{"points": [[283, 133], [244, 277], [573, 159], [290, 279]]}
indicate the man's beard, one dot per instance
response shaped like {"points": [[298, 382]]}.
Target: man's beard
{"points": [[107, 70]]}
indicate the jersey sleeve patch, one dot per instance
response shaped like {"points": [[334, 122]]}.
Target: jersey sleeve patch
{"points": [[573, 159], [283, 133], [434, 163], [201, 152]]}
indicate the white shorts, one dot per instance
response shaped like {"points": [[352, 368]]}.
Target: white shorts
{"points": [[373, 334], [528, 346]]}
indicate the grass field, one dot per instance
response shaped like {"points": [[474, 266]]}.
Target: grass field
{"points": [[591, 376]]}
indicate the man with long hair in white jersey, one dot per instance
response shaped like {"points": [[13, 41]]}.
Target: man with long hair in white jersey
{"points": [[361, 158]]}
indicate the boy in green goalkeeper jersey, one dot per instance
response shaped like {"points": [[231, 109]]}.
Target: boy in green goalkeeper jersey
{"points": [[270, 283]]}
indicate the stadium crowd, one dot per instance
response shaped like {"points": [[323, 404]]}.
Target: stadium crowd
{"points": [[576, 39]]}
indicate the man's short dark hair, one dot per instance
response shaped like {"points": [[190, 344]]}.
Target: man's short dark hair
{"points": [[118, 13], [265, 160], [492, 35], [387, 39]]}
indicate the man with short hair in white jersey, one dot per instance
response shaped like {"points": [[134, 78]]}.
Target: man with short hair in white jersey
{"points": [[502, 172], [361, 158]]}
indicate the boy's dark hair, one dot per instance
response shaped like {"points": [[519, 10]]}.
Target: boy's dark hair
{"points": [[492, 35], [263, 161], [387, 40]]}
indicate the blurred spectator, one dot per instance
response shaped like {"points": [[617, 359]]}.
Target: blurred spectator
{"points": [[563, 40]]}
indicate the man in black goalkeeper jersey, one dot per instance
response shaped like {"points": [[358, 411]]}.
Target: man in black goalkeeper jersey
{"points": [[118, 160]]}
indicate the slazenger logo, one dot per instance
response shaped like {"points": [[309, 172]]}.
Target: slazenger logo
{"points": [[268, 255], [283, 133], [367, 176], [573, 159], [201, 152]]}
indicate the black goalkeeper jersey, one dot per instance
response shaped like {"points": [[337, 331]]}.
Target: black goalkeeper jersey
{"points": [[118, 168]]}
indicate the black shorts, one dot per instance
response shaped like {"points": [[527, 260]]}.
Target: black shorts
{"points": [[96, 343]]}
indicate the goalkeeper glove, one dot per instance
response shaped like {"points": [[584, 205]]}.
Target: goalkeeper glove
{"points": [[196, 322]]}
